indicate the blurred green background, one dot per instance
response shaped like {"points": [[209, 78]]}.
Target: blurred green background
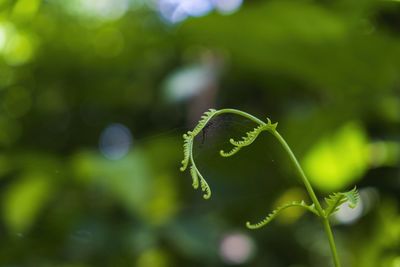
{"points": [[96, 94]]}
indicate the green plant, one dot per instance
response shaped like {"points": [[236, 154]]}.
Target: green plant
{"points": [[333, 201]]}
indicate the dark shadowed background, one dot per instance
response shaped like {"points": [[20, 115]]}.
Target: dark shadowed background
{"points": [[96, 94]]}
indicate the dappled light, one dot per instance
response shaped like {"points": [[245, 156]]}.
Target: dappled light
{"points": [[115, 141], [236, 248]]}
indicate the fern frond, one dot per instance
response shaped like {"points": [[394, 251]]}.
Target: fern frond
{"points": [[199, 179], [205, 118], [190, 135], [334, 200], [353, 197], [204, 187], [187, 150], [188, 154], [250, 136], [233, 151], [276, 212], [195, 177]]}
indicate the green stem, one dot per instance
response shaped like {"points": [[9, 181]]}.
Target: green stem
{"points": [[302, 175], [332, 245], [240, 113], [313, 197]]}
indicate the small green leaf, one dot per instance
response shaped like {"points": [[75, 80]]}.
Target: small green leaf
{"points": [[336, 199], [276, 212]]}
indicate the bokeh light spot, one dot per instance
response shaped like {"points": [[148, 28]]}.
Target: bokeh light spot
{"points": [[7, 30], [106, 9], [188, 82], [338, 160], [236, 248], [25, 9], [227, 6], [396, 262], [347, 215], [197, 8], [171, 10], [99, 10], [175, 11], [2, 38], [24, 200], [18, 50], [153, 258], [115, 141]]}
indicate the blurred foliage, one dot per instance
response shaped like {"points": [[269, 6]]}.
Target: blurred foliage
{"points": [[328, 71]]}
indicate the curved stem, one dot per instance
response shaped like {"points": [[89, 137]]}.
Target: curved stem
{"points": [[313, 197], [302, 175], [240, 113], [287, 149]]}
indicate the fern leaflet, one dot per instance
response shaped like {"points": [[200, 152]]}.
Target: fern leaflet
{"points": [[276, 212], [233, 151], [188, 154], [187, 150], [195, 177], [207, 116], [250, 137]]}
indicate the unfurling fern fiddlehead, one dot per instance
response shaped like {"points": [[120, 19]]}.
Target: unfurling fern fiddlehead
{"points": [[332, 202]]}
